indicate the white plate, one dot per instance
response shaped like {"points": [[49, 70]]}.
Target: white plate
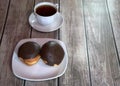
{"points": [[39, 71], [48, 28]]}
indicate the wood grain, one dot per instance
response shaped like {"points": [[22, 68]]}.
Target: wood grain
{"points": [[103, 60], [73, 34], [37, 34], [114, 6], [16, 28], [114, 10], [3, 14]]}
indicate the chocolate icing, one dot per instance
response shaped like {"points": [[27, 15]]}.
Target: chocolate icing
{"points": [[28, 50], [52, 53]]}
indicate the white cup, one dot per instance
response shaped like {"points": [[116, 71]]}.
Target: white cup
{"points": [[46, 19]]}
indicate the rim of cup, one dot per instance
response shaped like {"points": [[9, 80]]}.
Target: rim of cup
{"points": [[45, 3]]}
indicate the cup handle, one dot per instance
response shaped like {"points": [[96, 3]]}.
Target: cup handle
{"points": [[57, 6]]}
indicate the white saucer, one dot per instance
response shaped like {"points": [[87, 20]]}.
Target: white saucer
{"points": [[39, 71], [48, 28]]}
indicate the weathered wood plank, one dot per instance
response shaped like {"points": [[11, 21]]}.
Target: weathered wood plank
{"points": [[103, 60], [73, 34], [37, 34], [114, 9], [114, 6], [3, 13], [16, 28]]}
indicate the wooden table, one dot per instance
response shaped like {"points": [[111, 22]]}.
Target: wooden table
{"points": [[91, 32]]}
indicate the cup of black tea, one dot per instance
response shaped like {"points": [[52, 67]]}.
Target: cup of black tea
{"points": [[45, 12]]}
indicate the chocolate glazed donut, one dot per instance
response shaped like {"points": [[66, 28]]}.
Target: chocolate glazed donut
{"points": [[52, 53], [29, 53]]}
